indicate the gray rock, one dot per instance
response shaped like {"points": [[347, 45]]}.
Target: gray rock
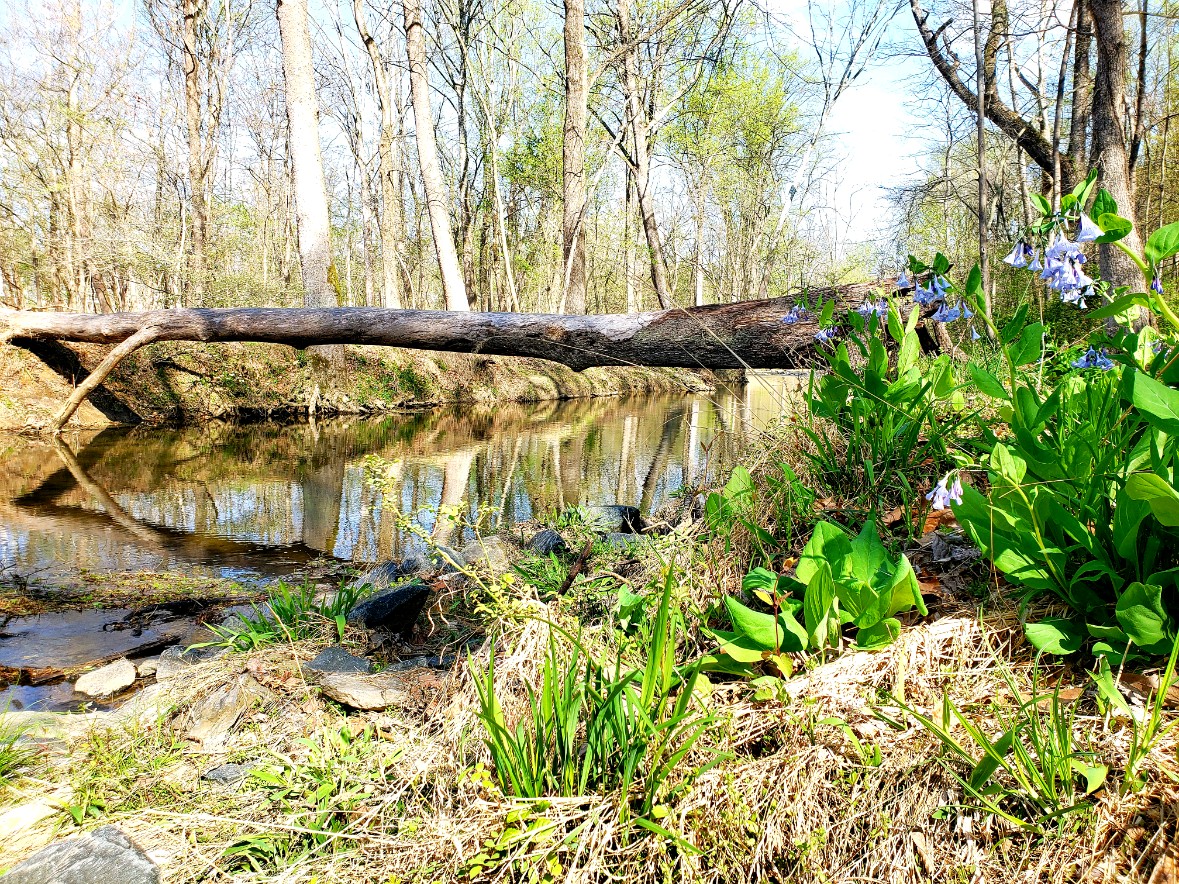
{"points": [[489, 551], [214, 717], [444, 662], [147, 666], [382, 690], [106, 680], [236, 616], [394, 610], [385, 575], [548, 542], [613, 517], [177, 658], [336, 659], [105, 854], [227, 774]]}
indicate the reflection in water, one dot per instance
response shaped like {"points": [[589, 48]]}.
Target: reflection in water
{"points": [[260, 500]]}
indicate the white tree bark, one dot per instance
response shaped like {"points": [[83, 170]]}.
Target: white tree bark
{"points": [[436, 199]]}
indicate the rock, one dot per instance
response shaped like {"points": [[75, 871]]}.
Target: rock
{"points": [[444, 662], [548, 542], [336, 659], [394, 610], [213, 718], [613, 517], [489, 551], [227, 774], [147, 667], [382, 690], [105, 854], [19, 819], [385, 575], [235, 617], [106, 680], [177, 658]]}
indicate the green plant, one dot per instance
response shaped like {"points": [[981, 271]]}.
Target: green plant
{"points": [[16, 753], [599, 728], [1029, 773], [876, 424], [1083, 501], [290, 614], [838, 581], [782, 500]]}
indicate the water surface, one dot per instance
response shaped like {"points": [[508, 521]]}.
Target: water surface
{"points": [[261, 500]]}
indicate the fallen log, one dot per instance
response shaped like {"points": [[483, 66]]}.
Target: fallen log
{"points": [[747, 334]]}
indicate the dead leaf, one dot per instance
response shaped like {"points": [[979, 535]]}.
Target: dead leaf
{"points": [[1147, 686], [939, 519], [1166, 870], [922, 848]]}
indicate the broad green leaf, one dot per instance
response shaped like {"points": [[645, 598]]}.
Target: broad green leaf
{"points": [[1114, 226], [904, 593], [1012, 329], [974, 284], [1141, 614], [1163, 243], [880, 634], [1054, 636], [1156, 491], [763, 631], [1158, 403], [1029, 346], [817, 607], [1103, 204], [1119, 305], [1009, 466], [1093, 774], [760, 578], [1081, 192], [828, 544], [987, 383], [1042, 204], [941, 264]]}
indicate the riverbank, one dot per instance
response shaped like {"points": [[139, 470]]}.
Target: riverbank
{"points": [[181, 383]]}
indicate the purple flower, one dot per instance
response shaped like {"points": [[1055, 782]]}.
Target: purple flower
{"points": [[796, 313], [974, 335], [870, 308], [1156, 285], [903, 281], [1093, 359], [1019, 255], [1035, 265], [1089, 231], [946, 313], [941, 495], [827, 335]]}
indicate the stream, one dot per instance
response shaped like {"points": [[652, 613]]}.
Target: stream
{"points": [[257, 502]]}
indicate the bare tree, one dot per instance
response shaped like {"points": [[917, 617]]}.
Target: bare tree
{"points": [[573, 156], [453, 287]]}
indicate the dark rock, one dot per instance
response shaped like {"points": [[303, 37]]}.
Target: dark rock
{"points": [[548, 542], [387, 574], [613, 517], [336, 659], [394, 610], [227, 774], [444, 662], [105, 854]]}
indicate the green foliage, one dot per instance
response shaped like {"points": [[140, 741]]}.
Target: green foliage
{"points": [[1033, 773], [596, 728], [16, 753], [875, 423], [782, 502], [839, 581], [290, 615]]}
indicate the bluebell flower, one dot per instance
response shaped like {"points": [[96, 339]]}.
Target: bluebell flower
{"points": [[827, 335], [1156, 285], [903, 281], [946, 313], [1094, 359], [945, 492], [873, 308], [1035, 265], [796, 313], [926, 296], [1019, 255], [1089, 231], [1160, 347], [967, 313], [974, 335]]}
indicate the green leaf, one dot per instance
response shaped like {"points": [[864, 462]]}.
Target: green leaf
{"points": [[974, 284], [828, 545], [1120, 305], [1103, 204], [1156, 491], [1114, 226], [817, 607], [879, 635], [1029, 346], [1042, 204], [1163, 243], [1093, 774], [941, 264], [762, 631], [987, 383], [1013, 328], [1158, 403], [1054, 636], [1141, 615], [1081, 191]]}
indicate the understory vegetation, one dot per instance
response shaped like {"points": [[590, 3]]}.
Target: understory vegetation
{"points": [[926, 630]]}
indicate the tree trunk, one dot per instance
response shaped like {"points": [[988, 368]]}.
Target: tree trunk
{"points": [[1109, 138], [311, 204], [392, 235], [198, 213], [436, 199], [573, 157]]}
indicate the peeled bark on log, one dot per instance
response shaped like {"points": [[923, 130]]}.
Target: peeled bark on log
{"points": [[749, 334]]}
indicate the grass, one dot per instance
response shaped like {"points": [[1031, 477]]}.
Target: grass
{"points": [[290, 614]]}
